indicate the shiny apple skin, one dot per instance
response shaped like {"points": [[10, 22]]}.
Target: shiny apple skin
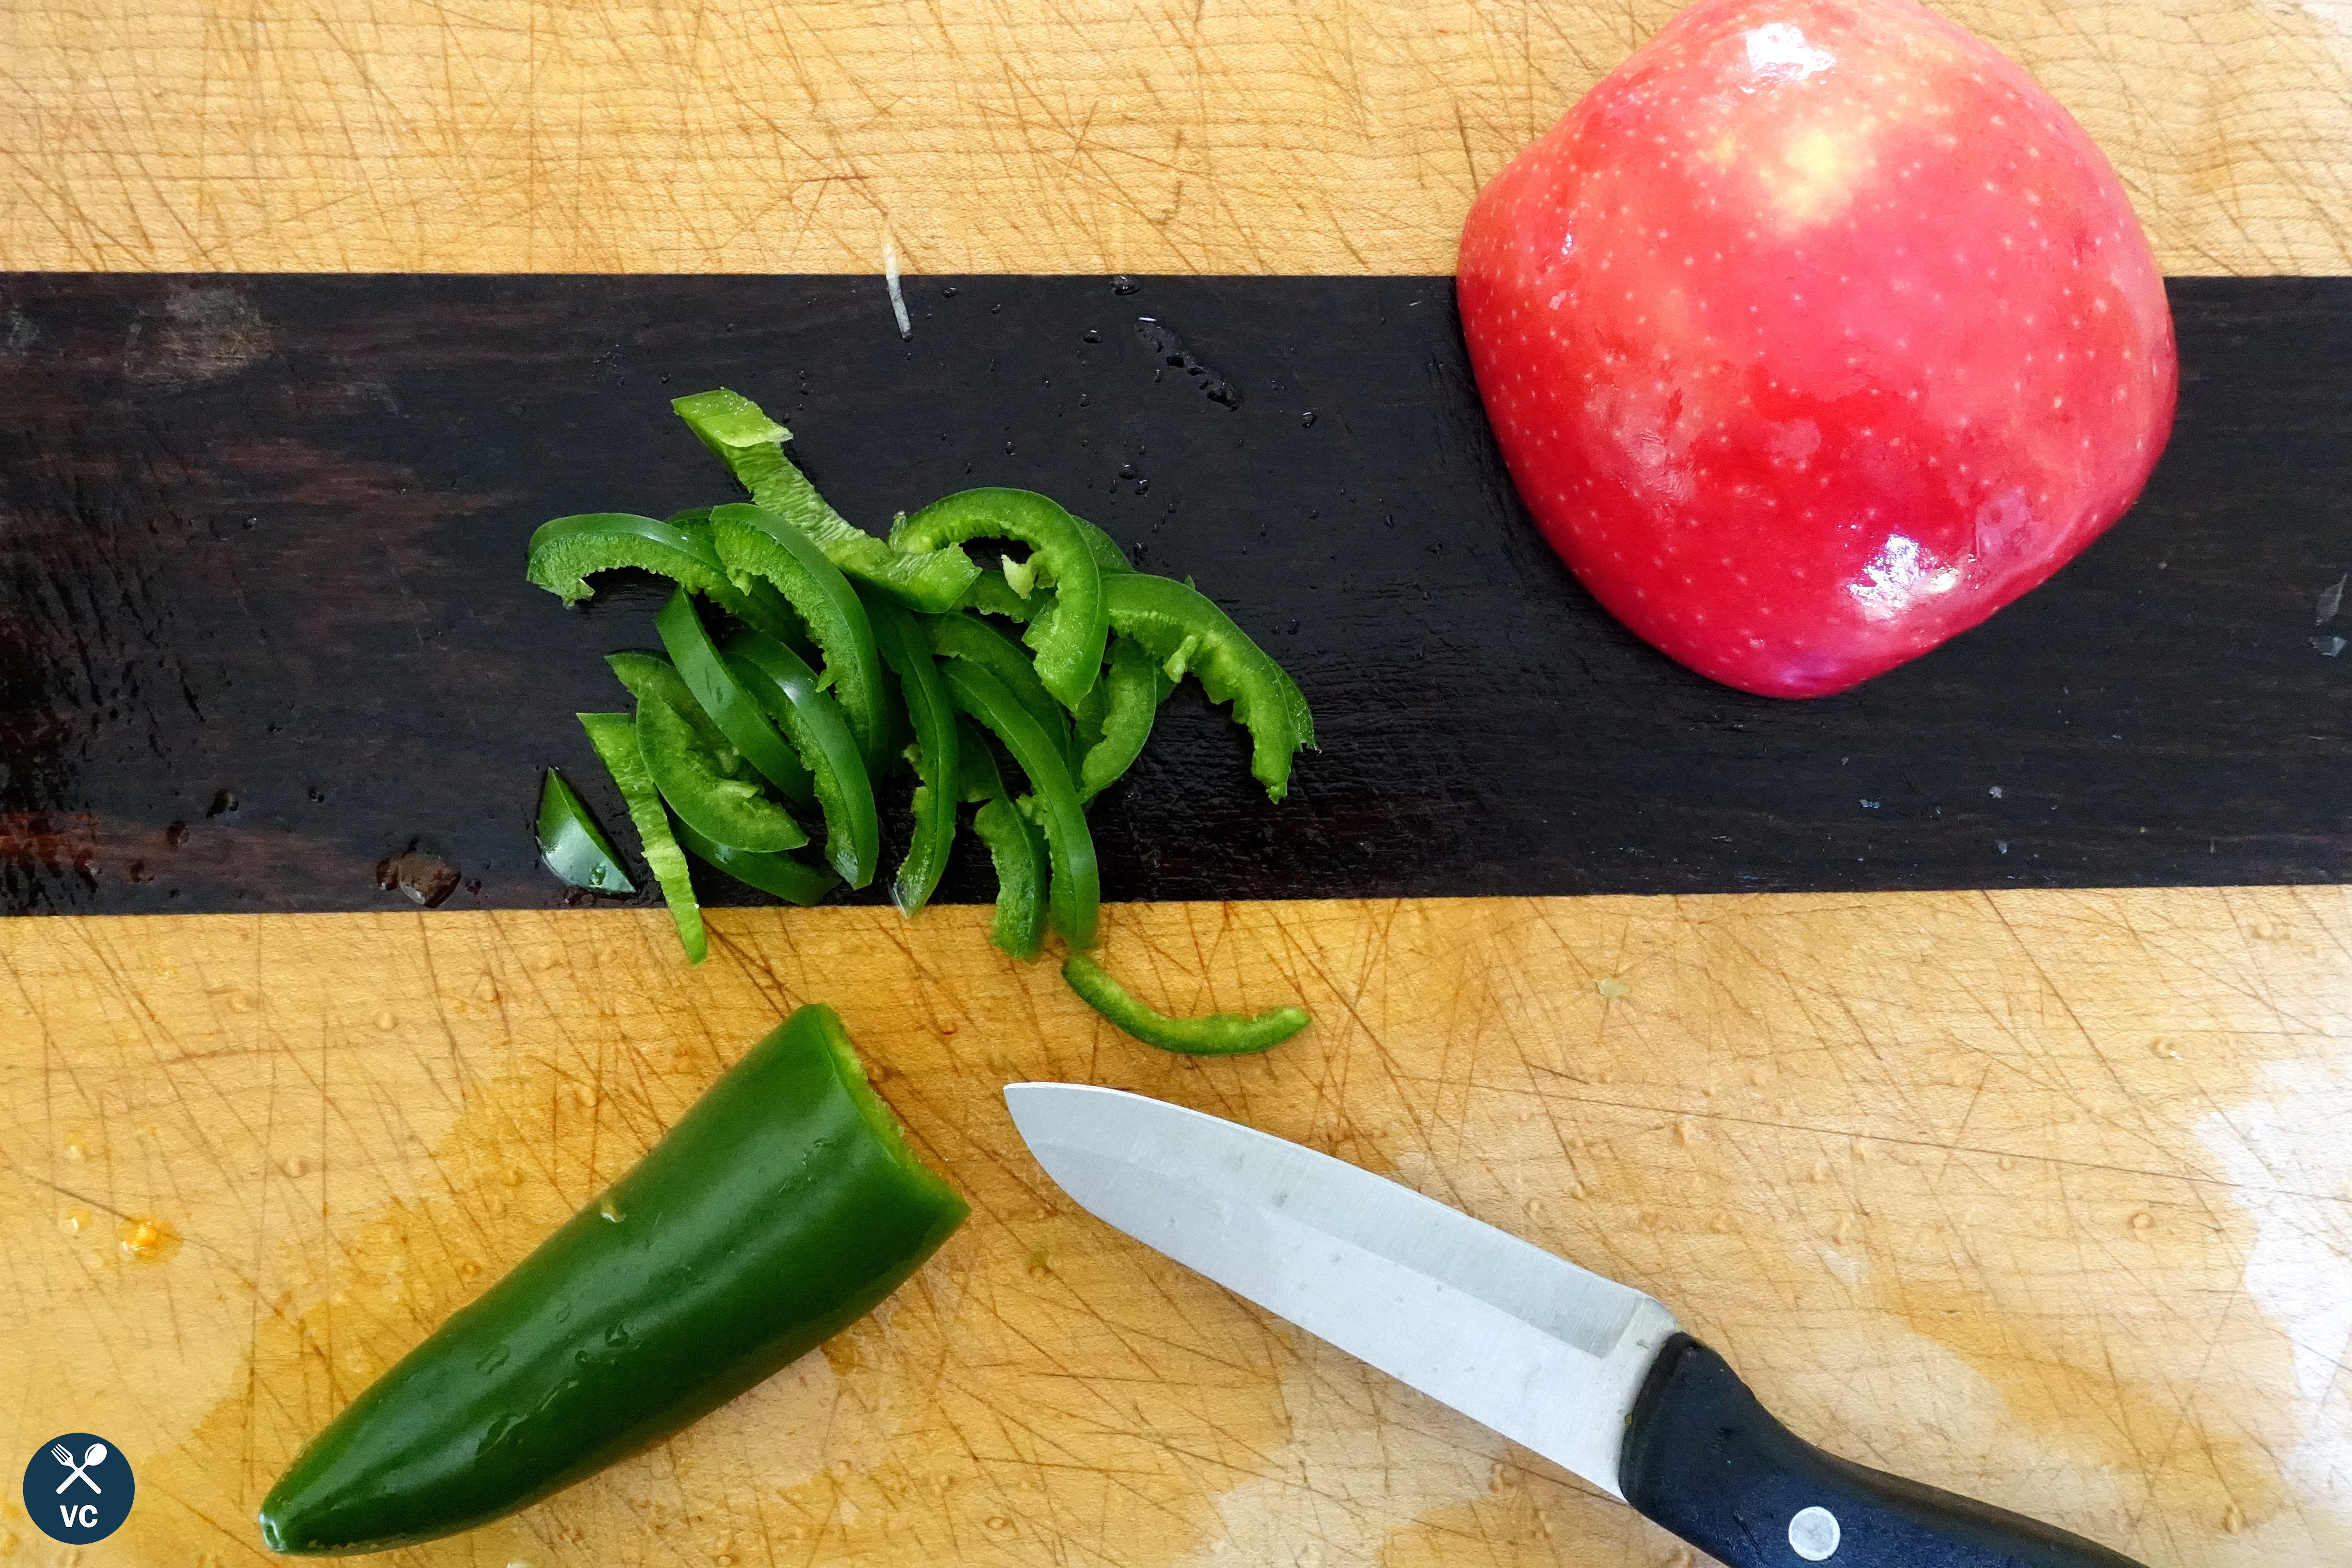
{"points": [[1812, 336]]}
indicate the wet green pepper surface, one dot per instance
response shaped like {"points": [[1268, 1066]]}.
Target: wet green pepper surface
{"points": [[780, 1208]]}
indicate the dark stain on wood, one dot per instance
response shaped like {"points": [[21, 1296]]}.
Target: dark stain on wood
{"points": [[263, 623]]}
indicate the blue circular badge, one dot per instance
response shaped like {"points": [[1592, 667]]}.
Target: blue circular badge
{"points": [[78, 1488]]}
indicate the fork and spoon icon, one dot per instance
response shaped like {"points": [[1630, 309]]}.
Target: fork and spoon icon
{"points": [[94, 1457]]}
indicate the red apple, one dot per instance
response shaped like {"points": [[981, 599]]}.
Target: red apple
{"points": [[1814, 334]]}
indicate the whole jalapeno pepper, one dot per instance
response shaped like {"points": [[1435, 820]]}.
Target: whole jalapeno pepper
{"points": [[782, 1206]]}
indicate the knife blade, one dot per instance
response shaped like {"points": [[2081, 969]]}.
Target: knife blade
{"points": [[1592, 1375]]}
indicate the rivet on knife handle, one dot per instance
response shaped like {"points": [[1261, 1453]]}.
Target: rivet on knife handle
{"points": [[1703, 1458]]}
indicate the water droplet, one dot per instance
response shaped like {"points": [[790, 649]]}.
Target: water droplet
{"points": [[1090, 336], [318, 795], [176, 835], [609, 1210], [1615, 988], [1123, 284], [1143, 487], [1127, 470], [1307, 420], [948, 292], [618, 1334], [223, 802]]}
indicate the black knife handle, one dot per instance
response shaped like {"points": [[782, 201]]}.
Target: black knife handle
{"points": [[1703, 1458]]}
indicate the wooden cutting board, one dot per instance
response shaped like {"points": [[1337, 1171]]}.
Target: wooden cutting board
{"points": [[2039, 1193]]}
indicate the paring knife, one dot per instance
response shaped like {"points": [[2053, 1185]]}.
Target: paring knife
{"points": [[1590, 1374]]}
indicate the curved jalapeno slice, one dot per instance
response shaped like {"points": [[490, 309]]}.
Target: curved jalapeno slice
{"points": [[1076, 894], [783, 1207], [1115, 721], [1214, 1035], [795, 882], [566, 550], [614, 736], [1068, 633], [934, 752], [969, 637], [784, 684], [751, 445], [696, 782], [1188, 634], [728, 706], [756, 543], [1018, 850], [572, 846]]}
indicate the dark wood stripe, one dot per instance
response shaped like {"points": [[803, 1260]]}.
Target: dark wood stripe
{"points": [[263, 620]]}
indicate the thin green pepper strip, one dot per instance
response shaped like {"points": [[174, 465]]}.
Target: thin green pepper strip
{"points": [[756, 543], [782, 681], [614, 736], [566, 550], [783, 1207], [696, 658], [1182, 627], [1076, 894], [935, 751], [572, 846], [1125, 702], [1017, 849], [653, 679], [693, 779], [1068, 635], [1214, 1035], [977, 775], [962, 637], [751, 445], [793, 880]]}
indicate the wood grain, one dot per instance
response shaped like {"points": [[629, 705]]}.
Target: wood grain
{"points": [[2043, 1194], [1089, 136]]}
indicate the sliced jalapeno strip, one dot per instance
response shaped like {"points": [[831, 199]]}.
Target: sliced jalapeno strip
{"points": [[756, 543], [968, 638], [1188, 634], [565, 552], [1017, 849], [1066, 634], [697, 784], [979, 778], [783, 1207], [936, 750], [793, 880], [614, 736], [1111, 733], [728, 706], [786, 687], [572, 846], [751, 445], [1076, 894], [653, 679], [1214, 1035]]}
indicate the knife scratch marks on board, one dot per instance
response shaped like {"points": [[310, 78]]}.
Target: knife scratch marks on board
{"points": [[2292, 1166]]}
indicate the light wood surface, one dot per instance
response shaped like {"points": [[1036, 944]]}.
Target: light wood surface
{"points": [[2044, 1195], [1083, 136]]}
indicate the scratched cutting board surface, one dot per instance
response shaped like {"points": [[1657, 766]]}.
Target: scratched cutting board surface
{"points": [[2039, 1191]]}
